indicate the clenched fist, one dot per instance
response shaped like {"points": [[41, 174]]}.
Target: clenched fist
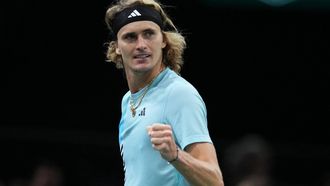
{"points": [[162, 139]]}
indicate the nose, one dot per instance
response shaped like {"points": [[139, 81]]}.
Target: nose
{"points": [[141, 43]]}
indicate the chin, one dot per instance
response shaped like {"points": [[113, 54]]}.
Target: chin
{"points": [[142, 68]]}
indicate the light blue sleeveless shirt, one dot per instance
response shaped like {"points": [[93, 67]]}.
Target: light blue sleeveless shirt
{"points": [[170, 100]]}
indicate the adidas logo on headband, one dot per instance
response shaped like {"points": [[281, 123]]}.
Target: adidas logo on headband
{"points": [[134, 14]]}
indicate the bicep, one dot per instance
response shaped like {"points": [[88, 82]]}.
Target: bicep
{"points": [[203, 151]]}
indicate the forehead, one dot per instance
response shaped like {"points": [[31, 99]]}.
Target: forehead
{"points": [[138, 26]]}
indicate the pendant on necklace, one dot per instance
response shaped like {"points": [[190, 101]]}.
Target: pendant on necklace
{"points": [[133, 112]]}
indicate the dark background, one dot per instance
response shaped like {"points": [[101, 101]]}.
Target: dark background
{"points": [[261, 69]]}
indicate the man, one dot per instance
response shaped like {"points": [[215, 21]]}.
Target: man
{"points": [[163, 134]]}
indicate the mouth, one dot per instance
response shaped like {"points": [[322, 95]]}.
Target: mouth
{"points": [[141, 56]]}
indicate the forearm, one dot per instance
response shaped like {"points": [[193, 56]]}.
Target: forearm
{"points": [[198, 172]]}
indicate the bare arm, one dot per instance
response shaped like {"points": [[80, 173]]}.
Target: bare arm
{"points": [[197, 163]]}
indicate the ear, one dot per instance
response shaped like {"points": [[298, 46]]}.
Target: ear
{"points": [[118, 52], [164, 44]]}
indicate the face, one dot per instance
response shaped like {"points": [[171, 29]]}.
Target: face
{"points": [[140, 45]]}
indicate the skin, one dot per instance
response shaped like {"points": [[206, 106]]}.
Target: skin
{"points": [[197, 163], [140, 44]]}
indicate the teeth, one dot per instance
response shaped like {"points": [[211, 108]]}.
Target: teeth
{"points": [[141, 56]]}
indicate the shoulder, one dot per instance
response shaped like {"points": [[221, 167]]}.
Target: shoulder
{"points": [[183, 90], [179, 85], [179, 92], [125, 98]]}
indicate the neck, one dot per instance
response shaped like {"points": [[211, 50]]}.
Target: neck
{"points": [[137, 81]]}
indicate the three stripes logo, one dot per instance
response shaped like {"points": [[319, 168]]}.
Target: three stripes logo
{"points": [[134, 14]]}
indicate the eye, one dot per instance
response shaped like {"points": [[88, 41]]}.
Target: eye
{"points": [[148, 33], [130, 37]]}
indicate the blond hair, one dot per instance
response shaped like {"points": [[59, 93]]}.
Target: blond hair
{"points": [[172, 53]]}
